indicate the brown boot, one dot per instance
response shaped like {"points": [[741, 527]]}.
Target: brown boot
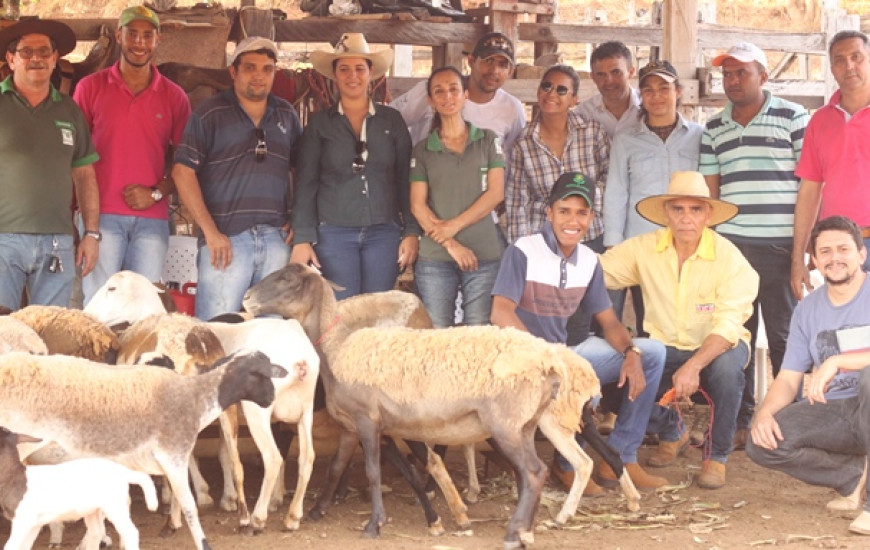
{"points": [[712, 475], [667, 451], [740, 437], [643, 481], [566, 478], [607, 423]]}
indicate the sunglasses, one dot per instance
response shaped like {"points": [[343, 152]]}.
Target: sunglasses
{"points": [[260, 150], [359, 161], [548, 87], [28, 53]]}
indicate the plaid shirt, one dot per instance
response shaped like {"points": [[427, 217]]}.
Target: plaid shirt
{"points": [[534, 169]]}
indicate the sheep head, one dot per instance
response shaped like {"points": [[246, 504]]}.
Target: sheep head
{"points": [[125, 297], [293, 292], [248, 375]]}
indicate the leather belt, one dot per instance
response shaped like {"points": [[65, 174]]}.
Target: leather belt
{"points": [[865, 232]]}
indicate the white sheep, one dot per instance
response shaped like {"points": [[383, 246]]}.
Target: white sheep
{"points": [[452, 386], [147, 418], [15, 335], [89, 488]]}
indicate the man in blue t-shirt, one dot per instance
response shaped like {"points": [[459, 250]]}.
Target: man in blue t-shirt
{"points": [[542, 280], [824, 439]]}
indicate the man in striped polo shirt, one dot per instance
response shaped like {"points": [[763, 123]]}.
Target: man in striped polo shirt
{"points": [[749, 151]]}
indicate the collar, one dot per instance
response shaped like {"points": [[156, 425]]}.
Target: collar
{"points": [[433, 142], [642, 128], [340, 109], [633, 101], [729, 107], [553, 244], [7, 86], [706, 248], [116, 77]]}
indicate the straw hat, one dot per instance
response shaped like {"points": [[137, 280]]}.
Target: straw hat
{"points": [[63, 36], [685, 185], [352, 44]]}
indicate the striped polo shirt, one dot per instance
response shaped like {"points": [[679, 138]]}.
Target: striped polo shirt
{"points": [[756, 165], [547, 286]]}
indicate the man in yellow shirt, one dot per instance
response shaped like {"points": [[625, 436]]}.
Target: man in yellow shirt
{"points": [[698, 290]]}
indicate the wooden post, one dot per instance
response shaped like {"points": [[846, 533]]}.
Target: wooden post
{"points": [[680, 35]]}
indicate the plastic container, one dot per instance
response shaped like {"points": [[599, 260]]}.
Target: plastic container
{"points": [[185, 299]]}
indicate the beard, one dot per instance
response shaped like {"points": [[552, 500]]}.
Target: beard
{"points": [[844, 280], [129, 60]]}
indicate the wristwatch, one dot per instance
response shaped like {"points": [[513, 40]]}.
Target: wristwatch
{"points": [[156, 194], [634, 349], [95, 234]]}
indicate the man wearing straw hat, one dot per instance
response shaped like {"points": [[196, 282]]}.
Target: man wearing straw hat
{"points": [[46, 153], [699, 290]]}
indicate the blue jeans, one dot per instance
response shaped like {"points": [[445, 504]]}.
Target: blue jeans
{"points": [[24, 264], [257, 252], [776, 303], [631, 423], [359, 259], [823, 444], [722, 380], [438, 284], [129, 242]]}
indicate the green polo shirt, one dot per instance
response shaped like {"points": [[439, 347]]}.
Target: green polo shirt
{"points": [[455, 181], [38, 148]]}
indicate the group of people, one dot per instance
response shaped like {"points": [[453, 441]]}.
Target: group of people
{"points": [[616, 194]]}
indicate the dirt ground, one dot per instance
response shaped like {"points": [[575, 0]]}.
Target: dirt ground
{"points": [[757, 508]]}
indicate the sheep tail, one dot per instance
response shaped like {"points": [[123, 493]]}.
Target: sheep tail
{"points": [[147, 484]]}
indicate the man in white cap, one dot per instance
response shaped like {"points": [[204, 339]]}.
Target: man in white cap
{"points": [[136, 117], [835, 163], [44, 145], [698, 290], [232, 171], [749, 152]]}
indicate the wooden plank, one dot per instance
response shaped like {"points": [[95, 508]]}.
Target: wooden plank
{"points": [[415, 33], [582, 34], [722, 37], [680, 35], [521, 7]]}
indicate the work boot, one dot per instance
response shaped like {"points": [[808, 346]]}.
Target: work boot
{"points": [[740, 436], [606, 477], [712, 475], [861, 524], [667, 451], [566, 478], [852, 501], [700, 425], [607, 423]]}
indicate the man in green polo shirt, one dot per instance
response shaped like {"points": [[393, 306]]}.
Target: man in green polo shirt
{"points": [[46, 152]]}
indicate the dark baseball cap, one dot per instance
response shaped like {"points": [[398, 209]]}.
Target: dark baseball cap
{"points": [[494, 43], [572, 183], [662, 69]]}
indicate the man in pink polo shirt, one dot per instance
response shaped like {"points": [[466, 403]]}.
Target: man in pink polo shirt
{"points": [[136, 116], [834, 165]]}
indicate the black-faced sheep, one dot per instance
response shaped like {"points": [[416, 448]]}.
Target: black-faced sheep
{"points": [[147, 418], [70, 332], [89, 488], [453, 386]]}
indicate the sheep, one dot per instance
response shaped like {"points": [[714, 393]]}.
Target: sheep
{"points": [[128, 297], [451, 386], [15, 335], [147, 418], [92, 488], [70, 332]]}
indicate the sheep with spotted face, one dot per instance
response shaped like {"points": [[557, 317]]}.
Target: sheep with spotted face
{"points": [[147, 418], [452, 386]]}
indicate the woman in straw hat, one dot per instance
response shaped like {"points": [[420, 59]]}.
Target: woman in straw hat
{"points": [[351, 213]]}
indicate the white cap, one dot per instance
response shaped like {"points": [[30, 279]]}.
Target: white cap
{"points": [[252, 44], [743, 52]]}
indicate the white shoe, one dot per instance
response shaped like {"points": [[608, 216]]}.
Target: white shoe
{"points": [[861, 525], [853, 500]]}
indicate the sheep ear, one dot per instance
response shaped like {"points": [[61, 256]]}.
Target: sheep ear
{"points": [[24, 438], [278, 371]]}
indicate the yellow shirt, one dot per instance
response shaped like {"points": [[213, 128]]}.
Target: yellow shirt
{"points": [[713, 293]]}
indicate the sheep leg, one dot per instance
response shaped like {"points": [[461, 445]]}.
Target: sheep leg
{"points": [[592, 436], [177, 478], [234, 489], [563, 440], [431, 483], [438, 473], [96, 529], [347, 442], [394, 456], [473, 493], [306, 466], [261, 432], [127, 531], [55, 537], [371, 443], [23, 534], [200, 485]]}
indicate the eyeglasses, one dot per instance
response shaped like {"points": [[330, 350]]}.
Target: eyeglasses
{"points": [[359, 161], [548, 87], [28, 53], [260, 150]]}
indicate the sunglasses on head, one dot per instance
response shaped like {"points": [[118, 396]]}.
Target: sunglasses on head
{"points": [[260, 150], [359, 161], [548, 87]]}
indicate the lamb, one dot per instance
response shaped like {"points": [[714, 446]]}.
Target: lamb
{"points": [[147, 418], [451, 386], [70, 332], [92, 488]]}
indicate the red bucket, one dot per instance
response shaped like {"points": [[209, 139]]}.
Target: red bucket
{"points": [[185, 299]]}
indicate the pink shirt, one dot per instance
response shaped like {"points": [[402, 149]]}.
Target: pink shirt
{"points": [[132, 134], [837, 153]]}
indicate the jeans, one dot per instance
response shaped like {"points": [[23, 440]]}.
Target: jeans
{"points": [[24, 261], [631, 423], [438, 284], [617, 298], [132, 243], [722, 380], [257, 252], [823, 444], [359, 259], [776, 302], [580, 323]]}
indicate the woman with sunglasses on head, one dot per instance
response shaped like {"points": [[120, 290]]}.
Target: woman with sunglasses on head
{"points": [[457, 180], [351, 212]]}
